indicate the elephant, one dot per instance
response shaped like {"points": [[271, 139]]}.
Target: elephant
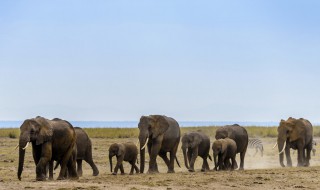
{"points": [[298, 135], [124, 152], [84, 151], [161, 134], [239, 135], [197, 144], [51, 140], [224, 149]]}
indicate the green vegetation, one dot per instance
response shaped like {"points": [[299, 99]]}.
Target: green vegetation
{"points": [[253, 131]]}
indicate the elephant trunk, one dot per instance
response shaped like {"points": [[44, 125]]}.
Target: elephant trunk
{"points": [[215, 161], [24, 139], [281, 144], [184, 150], [142, 159], [110, 160]]}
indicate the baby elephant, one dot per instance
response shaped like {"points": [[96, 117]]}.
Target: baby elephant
{"points": [[124, 152], [196, 144], [224, 149]]}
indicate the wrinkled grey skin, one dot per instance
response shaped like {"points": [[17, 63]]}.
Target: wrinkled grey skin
{"points": [[84, 151], [224, 149], [298, 135], [124, 152], [51, 140], [195, 144], [239, 135], [164, 136]]}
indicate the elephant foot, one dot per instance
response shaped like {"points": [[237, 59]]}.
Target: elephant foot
{"points": [[241, 168], [153, 172], [191, 170], [170, 171], [41, 179], [50, 178], [74, 178], [123, 174], [114, 173], [60, 178], [96, 173]]}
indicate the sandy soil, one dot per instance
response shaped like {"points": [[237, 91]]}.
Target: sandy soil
{"points": [[260, 172]]}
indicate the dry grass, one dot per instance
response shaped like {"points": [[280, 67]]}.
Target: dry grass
{"points": [[253, 131]]}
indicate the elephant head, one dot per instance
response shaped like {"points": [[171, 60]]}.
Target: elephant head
{"points": [[115, 150], [150, 127], [218, 147], [189, 140], [37, 131]]}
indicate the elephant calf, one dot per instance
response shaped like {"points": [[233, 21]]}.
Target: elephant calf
{"points": [[196, 144], [124, 152], [224, 149]]}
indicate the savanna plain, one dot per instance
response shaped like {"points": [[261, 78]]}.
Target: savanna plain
{"points": [[260, 172]]}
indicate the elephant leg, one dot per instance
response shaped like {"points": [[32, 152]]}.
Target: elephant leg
{"points": [[79, 167], [136, 168], [71, 168], [121, 169], [205, 165], [308, 149], [242, 155], [155, 148], [51, 170], [46, 155], [64, 163], [288, 156], [163, 155], [300, 157], [93, 166], [132, 169], [233, 161], [173, 153]]}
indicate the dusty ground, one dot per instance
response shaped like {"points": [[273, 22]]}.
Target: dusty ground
{"points": [[260, 173]]}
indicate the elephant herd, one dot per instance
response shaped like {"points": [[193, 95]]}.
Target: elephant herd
{"points": [[57, 140]]}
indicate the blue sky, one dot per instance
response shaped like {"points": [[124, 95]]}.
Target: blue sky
{"points": [[192, 60]]}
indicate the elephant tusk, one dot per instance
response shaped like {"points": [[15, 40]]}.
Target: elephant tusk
{"points": [[26, 146], [16, 147], [145, 144], [284, 146], [137, 143], [275, 145]]}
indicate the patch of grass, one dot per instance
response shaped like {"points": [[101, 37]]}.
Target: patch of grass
{"points": [[10, 132], [253, 131], [12, 135]]}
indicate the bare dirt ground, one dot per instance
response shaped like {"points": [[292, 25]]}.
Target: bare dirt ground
{"points": [[260, 172]]}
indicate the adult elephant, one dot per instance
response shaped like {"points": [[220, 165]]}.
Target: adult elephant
{"points": [[84, 151], [239, 135], [196, 144], [296, 134], [160, 134], [51, 140]]}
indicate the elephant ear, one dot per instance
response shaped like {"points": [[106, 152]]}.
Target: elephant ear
{"points": [[196, 141], [45, 130], [296, 129], [120, 150], [159, 125]]}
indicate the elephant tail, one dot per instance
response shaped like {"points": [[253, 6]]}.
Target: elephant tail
{"points": [[210, 157], [177, 161]]}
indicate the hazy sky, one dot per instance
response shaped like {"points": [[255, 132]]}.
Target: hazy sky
{"points": [[192, 60]]}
